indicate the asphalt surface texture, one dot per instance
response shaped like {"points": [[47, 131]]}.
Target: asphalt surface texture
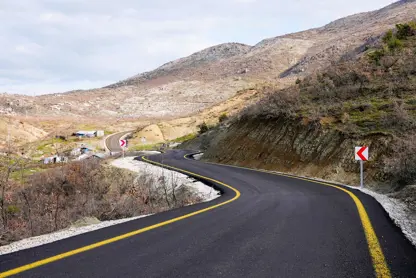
{"points": [[112, 141], [278, 227]]}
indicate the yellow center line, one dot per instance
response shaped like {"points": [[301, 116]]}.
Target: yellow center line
{"points": [[126, 235], [379, 262]]}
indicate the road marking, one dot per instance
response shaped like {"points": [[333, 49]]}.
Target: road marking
{"points": [[126, 235], [379, 262]]}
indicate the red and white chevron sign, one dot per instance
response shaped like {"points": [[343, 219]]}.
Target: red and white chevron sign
{"points": [[361, 153], [123, 143]]}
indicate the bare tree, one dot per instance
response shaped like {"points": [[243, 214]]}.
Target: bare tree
{"points": [[8, 163], [29, 207]]}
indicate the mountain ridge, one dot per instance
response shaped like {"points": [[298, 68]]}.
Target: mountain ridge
{"points": [[208, 77]]}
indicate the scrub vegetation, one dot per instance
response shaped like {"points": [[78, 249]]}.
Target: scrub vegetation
{"points": [[56, 198], [372, 94], [185, 138]]}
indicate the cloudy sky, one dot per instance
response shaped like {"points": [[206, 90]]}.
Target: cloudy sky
{"points": [[59, 45]]}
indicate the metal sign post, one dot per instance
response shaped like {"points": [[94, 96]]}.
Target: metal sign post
{"points": [[361, 154], [123, 145]]}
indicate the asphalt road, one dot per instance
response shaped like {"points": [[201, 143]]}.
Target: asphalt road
{"points": [[112, 141], [278, 227]]}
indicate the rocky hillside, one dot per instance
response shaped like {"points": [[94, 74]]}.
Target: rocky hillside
{"points": [[206, 78], [198, 59], [312, 128]]}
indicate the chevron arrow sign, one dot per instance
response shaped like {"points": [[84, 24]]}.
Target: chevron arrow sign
{"points": [[361, 153]]}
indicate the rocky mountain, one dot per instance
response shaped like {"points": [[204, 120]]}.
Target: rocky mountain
{"points": [[206, 56], [211, 76], [312, 127]]}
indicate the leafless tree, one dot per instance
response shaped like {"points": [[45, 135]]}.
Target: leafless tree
{"points": [[9, 162]]}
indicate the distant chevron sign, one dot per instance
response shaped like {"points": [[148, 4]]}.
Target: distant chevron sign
{"points": [[361, 153], [123, 143]]}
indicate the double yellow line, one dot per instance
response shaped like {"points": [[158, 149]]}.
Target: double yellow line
{"points": [[126, 235], [379, 262], [377, 256]]}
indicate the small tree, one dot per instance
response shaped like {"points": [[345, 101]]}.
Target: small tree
{"points": [[203, 128], [8, 164], [394, 43]]}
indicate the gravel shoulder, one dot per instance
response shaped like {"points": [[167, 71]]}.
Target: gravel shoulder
{"points": [[66, 233], [88, 224], [206, 193]]}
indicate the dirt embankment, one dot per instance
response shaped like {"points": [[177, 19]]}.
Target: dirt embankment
{"points": [[311, 128], [299, 148]]}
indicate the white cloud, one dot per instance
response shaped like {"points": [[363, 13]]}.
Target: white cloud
{"points": [[29, 48], [245, 1], [59, 45]]}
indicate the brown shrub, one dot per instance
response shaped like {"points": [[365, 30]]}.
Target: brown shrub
{"points": [[56, 198], [401, 166], [274, 105]]}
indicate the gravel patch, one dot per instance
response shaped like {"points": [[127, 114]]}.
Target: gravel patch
{"points": [[401, 214], [198, 156], [66, 233], [205, 192]]}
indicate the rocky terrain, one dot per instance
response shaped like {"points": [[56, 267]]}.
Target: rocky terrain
{"points": [[211, 76], [311, 128]]}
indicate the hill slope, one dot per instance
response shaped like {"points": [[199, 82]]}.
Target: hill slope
{"points": [[312, 128], [211, 76]]}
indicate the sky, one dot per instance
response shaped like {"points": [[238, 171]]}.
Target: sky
{"points": [[49, 46]]}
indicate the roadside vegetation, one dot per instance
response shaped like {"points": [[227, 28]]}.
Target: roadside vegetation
{"points": [[373, 94], [204, 127], [185, 138], [56, 198], [146, 147]]}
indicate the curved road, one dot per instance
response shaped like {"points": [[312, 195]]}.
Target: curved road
{"points": [[263, 225], [112, 141]]}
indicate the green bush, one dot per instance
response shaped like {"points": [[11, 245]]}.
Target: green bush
{"points": [[11, 210], [388, 36], [203, 128], [185, 138], [376, 55], [223, 117], [394, 43], [405, 30]]}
